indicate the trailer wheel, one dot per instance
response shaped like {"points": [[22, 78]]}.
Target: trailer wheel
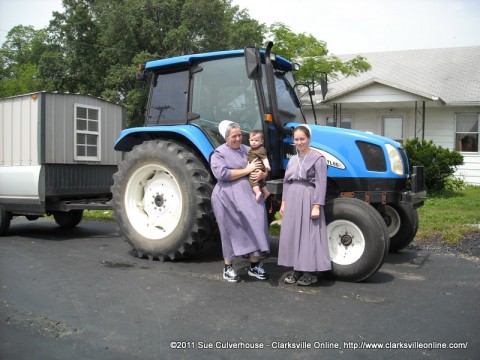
{"points": [[32, 217], [5, 217], [68, 219], [402, 225], [357, 238], [161, 196]]}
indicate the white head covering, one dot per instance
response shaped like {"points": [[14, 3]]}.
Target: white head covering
{"points": [[307, 127], [222, 127]]}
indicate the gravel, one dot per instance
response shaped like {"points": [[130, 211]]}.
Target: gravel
{"points": [[469, 245]]}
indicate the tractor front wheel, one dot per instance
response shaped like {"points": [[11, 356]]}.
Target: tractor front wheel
{"points": [[357, 238]]}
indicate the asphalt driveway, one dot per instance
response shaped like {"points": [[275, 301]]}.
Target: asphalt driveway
{"points": [[80, 294]]}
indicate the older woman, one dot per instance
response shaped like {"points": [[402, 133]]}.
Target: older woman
{"points": [[241, 219]]}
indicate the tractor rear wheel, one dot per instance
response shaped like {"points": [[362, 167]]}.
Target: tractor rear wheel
{"points": [[402, 225], [161, 197]]}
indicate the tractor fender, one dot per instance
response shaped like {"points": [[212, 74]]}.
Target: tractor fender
{"points": [[134, 136]]}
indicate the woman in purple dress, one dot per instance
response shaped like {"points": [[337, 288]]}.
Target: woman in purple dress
{"points": [[303, 234], [241, 219]]}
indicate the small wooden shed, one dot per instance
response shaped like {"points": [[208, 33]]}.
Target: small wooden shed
{"points": [[57, 146]]}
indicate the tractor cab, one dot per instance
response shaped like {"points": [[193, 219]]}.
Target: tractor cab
{"points": [[202, 90]]}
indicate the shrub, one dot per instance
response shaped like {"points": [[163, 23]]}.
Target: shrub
{"points": [[439, 163], [453, 183]]}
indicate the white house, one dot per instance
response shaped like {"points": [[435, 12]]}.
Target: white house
{"points": [[431, 94]]}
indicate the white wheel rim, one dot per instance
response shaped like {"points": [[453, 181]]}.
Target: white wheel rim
{"points": [[346, 242], [395, 221], [153, 201]]}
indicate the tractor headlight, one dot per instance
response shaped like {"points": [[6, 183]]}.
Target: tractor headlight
{"points": [[395, 158]]}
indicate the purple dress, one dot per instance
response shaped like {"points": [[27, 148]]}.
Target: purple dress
{"points": [[241, 219], [303, 241]]}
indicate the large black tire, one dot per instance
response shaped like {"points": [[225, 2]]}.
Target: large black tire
{"points": [[68, 219], [5, 217], [357, 238], [162, 200], [402, 225]]}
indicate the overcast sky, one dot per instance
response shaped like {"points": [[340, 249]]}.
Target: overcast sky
{"points": [[348, 26]]}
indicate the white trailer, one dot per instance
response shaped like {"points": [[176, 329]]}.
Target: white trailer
{"points": [[56, 155]]}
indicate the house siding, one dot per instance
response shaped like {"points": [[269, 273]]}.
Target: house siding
{"points": [[470, 170], [368, 119], [439, 127]]}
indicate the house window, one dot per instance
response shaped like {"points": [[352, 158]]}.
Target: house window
{"points": [[393, 127], [466, 132], [345, 121], [87, 132]]}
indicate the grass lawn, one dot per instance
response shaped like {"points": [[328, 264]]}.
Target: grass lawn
{"points": [[99, 215], [450, 215], [447, 216]]}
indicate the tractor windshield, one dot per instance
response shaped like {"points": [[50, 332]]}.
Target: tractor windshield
{"points": [[222, 91]]}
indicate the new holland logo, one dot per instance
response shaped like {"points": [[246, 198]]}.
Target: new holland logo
{"points": [[330, 159]]}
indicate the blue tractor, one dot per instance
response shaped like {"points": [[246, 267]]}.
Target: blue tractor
{"points": [[161, 192]]}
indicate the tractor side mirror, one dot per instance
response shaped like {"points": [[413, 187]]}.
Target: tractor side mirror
{"points": [[253, 62]]}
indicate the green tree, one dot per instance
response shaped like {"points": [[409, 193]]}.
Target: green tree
{"points": [[19, 56], [73, 53], [151, 29], [312, 55], [95, 46]]}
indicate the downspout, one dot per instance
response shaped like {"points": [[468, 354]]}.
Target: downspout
{"points": [[423, 120]]}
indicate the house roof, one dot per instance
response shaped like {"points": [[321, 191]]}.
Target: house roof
{"points": [[451, 74]]}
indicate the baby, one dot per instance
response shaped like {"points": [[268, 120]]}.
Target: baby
{"points": [[257, 151]]}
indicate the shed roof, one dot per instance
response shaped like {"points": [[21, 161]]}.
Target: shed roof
{"points": [[451, 74]]}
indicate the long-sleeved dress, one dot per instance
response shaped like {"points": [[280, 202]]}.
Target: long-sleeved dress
{"points": [[303, 241], [241, 219]]}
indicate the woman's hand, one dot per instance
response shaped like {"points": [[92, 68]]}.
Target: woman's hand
{"points": [[282, 208], [254, 170], [251, 169], [254, 165], [258, 175], [315, 214]]}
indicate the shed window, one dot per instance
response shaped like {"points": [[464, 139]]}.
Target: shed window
{"points": [[466, 133], [87, 132]]}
